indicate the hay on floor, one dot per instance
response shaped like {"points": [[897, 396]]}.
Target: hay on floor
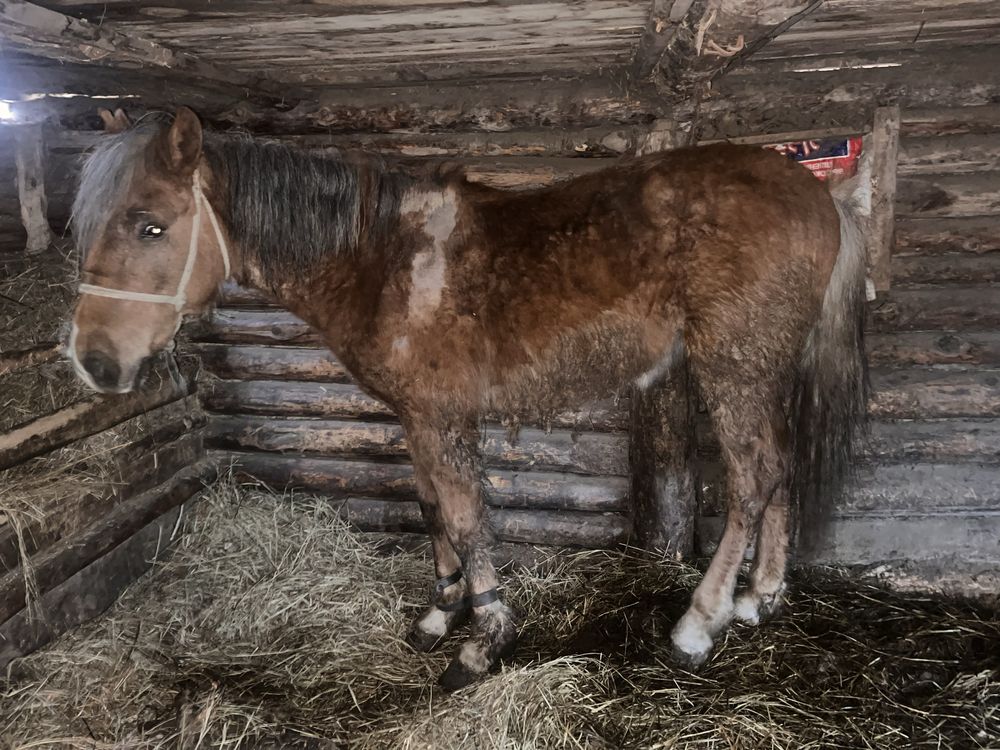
{"points": [[272, 625]]}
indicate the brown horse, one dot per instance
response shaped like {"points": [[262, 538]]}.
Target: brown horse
{"points": [[450, 300]]}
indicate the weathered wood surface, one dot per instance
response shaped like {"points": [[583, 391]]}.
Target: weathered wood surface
{"points": [[85, 418], [48, 33], [948, 195], [61, 561], [872, 539], [251, 362], [942, 235], [25, 358], [305, 399], [29, 155], [556, 450], [946, 269], [510, 489], [934, 154], [946, 121], [934, 441], [933, 348], [952, 307], [884, 143], [141, 466], [568, 528], [662, 497], [926, 393], [88, 592], [273, 326]]}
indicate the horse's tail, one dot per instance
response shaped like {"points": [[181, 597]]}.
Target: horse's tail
{"points": [[832, 391]]}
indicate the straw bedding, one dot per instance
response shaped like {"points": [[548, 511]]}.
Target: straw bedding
{"points": [[272, 625]]}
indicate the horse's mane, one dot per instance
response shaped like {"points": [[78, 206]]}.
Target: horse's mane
{"points": [[286, 208]]}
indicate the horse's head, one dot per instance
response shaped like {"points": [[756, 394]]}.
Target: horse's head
{"points": [[151, 246]]}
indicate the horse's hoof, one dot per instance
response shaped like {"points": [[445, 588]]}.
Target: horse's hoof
{"points": [[458, 676], [746, 610], [692, 644], [424, 642]]}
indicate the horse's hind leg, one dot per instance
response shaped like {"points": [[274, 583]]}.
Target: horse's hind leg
{"points": [[448, 455], [763, 598], [752, 436], [446, 611]]}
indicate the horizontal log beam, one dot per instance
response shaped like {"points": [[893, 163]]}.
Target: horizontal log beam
{"points": [[939, 235], [25, 358], [48, 33], [557, 528], [82, 419], [251, 362], [556, 450], [58, 563], [343, 478], [946, 269], [933, 348], [338, 400], [253, 327], [918, 393], [953, 307], [948, 195]]}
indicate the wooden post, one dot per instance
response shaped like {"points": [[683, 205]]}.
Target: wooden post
{"points": [[661, 452], [28, 154], [885, 150]]}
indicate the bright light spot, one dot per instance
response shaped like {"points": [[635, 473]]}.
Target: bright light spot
{"points": [[47, 95], [6, 113], [864, 66]]}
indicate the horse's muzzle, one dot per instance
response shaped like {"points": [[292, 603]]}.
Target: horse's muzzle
{"points": [[104, 372]]}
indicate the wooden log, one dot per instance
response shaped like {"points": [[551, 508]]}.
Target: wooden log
{"points": [[933, 348], [939, 154], [885, 148], [560, 528], [965, 308], [948, 195], [88, 592], [342, 478], [941, 235], [304, 399], [939, 121], [142, 465], [934, 441], [927, 393], [29, 158], [662, 480], [85, 418], [249, 362], [59, 563], [254, 327], [946, 269], [25, 358], [232, 294], [868, 539], [556, 450]]}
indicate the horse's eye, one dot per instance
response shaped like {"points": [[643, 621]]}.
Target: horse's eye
{"points": [[151, 232]]}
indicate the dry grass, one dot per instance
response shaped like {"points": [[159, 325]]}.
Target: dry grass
{"points": [[272, 625]]}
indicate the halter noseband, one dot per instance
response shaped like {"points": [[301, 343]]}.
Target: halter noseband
{"points": [[179, 298]]}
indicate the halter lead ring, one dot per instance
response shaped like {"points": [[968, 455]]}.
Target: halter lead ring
{"points": [[179, 298]]}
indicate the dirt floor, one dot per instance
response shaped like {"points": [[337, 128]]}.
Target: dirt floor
{"points": [[272, 625]]}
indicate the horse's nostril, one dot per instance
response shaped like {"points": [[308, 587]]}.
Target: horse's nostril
{"points": [[104, 370]]}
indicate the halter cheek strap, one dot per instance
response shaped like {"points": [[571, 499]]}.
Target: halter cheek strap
{"points": [[179, 298]]}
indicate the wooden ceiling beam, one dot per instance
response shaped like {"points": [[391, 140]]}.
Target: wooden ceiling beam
{"points": [[47, 33]]}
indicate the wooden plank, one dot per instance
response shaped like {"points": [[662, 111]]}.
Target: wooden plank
{"points": [[562, 528], [957, 307], [25, 358], [88, 592], [946, 269], [57, 564], [250, 362], [965, 152], [556, 450], [339, 400], [941, 235], [933, 348], [870, 539], [948, 195], [885, 146], [29, 159], [939, 121], [254, 327], [510, 489], [924, 393], [85, 418], [934, 441], [48, 33]]}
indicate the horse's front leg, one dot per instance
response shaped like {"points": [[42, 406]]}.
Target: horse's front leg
{"points": [[447, 610], [449, 456]]}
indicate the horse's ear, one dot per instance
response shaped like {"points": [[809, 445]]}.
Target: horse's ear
{"points": [[184, 141], [114, 123]]}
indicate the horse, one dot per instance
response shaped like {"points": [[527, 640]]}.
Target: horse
{"points": [[450, 300]]}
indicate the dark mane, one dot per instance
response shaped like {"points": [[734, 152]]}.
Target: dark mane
{"points": [[288, 208]]}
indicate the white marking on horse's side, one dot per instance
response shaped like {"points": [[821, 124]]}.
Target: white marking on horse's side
{"points": [[663, 365], [438, 211]]}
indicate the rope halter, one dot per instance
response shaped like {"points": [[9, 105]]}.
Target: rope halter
{"points": [[179, 298]]}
